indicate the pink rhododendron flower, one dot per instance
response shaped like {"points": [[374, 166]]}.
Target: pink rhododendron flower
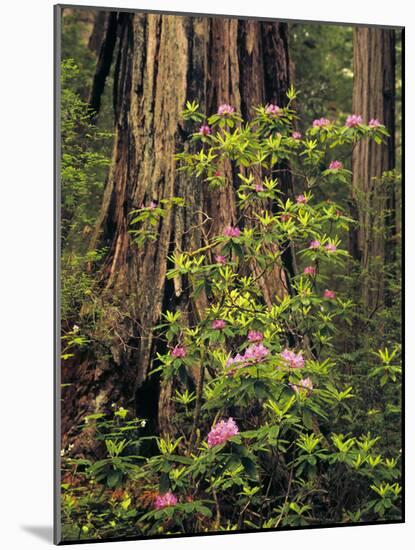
{"points": [[220, 259], [293, 360], [218, 324], [309, 270], [253, 354], [205, 130], [178, 351], [259, 187], [305, 385], [232, 231], [168, 499], [335, 165], [225, 109], [285, 217], [222, 431], [321, 122], [374, 123], [353, 120], [153, 205], [296, 135], [329, 294], [301, 199], [272, 109], [255, 336], [314, 244], [330, 247], [237, 360], [256, 352]]}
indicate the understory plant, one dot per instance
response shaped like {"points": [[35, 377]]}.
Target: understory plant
{"points": [[263, 433]]}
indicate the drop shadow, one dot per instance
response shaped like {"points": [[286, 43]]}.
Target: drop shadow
{"points": [[43, 532]]}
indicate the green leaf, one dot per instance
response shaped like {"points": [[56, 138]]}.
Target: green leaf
{"points": [[114, 478], [164, 484]]}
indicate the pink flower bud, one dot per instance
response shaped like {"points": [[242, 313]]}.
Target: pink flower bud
{"points": [[162, 501], [220, 259], [310, 270], [178, 351], [232, 231], [271, 109], [222, 431], [218, 324], [374, 123], [204, 130], [353, 120], [225, 109], [321, 122]]}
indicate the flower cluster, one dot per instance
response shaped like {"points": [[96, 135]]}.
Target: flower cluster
{"points": [[330, 247], [256, 352], [329, 294], [321, 122], [296, 135], [168, 499], [314, 245], [374, 123], [218, 324], [232, 231], [255, 336], [335, 165], [220, 259], [258, 187], [301, 199], [225, 109], [293, 360], [253, 354], [353, 120], [178, 351], [272, 109], [222, 431], [205, 130], [310, 270]]}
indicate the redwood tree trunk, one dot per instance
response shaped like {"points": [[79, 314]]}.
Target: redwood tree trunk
{"points": [[162, 61], [373, 97]]}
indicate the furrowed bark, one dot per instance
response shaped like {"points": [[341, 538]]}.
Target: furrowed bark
{"points": [[373, 97], [161, 62], [106, 52]]}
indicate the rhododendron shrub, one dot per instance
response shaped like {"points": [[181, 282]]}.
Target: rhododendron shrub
{"points": [[260, 399], [262, 403]]}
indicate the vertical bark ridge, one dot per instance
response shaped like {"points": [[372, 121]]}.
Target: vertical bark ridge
{"points": [[161, 62], [373, 97]]}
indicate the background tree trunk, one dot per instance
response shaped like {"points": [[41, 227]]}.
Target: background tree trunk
{"points": [[373, 97], [162, 61]]}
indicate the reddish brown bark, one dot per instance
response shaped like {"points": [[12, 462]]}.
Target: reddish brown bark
{"points": [[373, 97], [161, 61]]}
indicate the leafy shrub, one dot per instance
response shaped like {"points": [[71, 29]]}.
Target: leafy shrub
{"points": [[271, 413]]}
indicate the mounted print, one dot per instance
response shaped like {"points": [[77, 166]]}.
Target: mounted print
{"points": [[228, 274]]}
